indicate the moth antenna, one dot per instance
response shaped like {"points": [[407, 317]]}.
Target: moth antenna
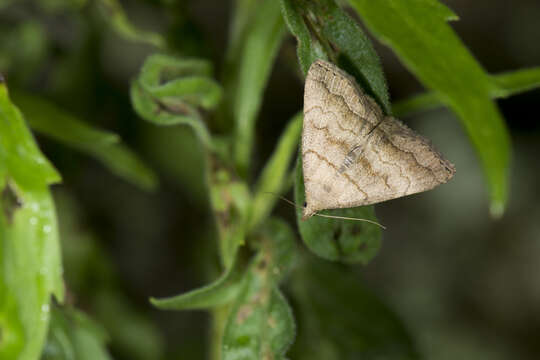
{"points": [[351, 218], [327, 216]]}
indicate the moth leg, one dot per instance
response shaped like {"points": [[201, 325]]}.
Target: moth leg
{"points": [[357, 150], [351, 157]]}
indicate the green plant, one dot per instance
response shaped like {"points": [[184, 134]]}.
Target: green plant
{"points": [[251, 318]]}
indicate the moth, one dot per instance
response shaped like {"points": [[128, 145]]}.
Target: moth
{"points": [[353, 154]]}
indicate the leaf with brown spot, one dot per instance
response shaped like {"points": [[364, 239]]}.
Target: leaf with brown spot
{"points": [[260, 324], [334, 239], [10, 202]]}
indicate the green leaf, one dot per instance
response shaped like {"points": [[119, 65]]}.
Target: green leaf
{"points": [[176, 80], [341, 39], [170, 91], [243, 11], [260, 47], [220, 292], [30, 265], [112, 11], [241, 20], [308, 50], [274, 175], [74, 336], [339, 319], [260, 324], [51, 121], [259, 330], [507, 84], [335, 239], [427, 45], [515, 82]]}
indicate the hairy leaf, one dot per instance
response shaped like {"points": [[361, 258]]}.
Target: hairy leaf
{"points": [[342, 41], [260, 324], [308, 49]]}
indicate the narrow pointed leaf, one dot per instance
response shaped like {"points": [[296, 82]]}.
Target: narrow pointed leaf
{"points": [[256, 59], [507, 84], [51, 121], [515, 82], [222, 291], [274, 176], [419, 34]]}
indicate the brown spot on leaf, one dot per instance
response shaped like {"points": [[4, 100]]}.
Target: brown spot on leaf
{"points": [[10, 202], [356, 229], [243, 313], [337, 233], [272, 322]]}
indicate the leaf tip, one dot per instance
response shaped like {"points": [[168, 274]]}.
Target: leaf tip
{"points": [[496, 209], [452, 17], [149, 182], [155, 302]]}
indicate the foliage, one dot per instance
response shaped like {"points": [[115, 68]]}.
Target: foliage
{"points": [[30, 267], [427, 45], [336, 318], [72, 335]]}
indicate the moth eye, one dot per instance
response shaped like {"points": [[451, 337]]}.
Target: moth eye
{"points": [[305, 204]]}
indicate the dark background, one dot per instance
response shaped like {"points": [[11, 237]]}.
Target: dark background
{"points": [[466, 286]]}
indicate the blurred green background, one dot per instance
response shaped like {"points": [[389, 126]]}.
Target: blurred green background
{"points": [[467, 287]]}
